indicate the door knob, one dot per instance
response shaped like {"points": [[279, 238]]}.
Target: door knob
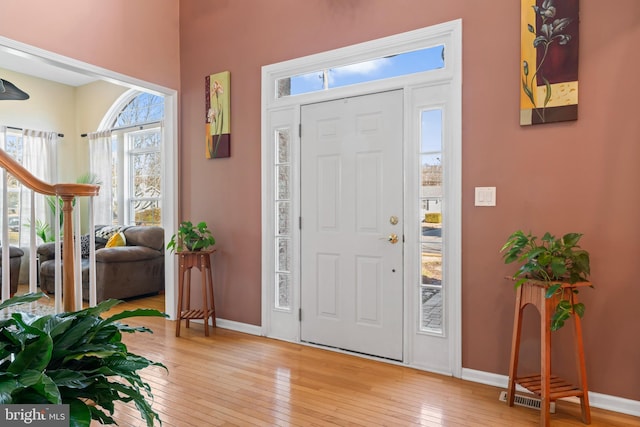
{"points": [[393, 238]]}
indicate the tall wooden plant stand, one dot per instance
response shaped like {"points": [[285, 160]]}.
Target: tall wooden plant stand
{"points": [[201, 260], [544, 385]]}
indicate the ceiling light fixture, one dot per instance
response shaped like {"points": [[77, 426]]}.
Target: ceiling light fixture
{"points": [[9, 91]]}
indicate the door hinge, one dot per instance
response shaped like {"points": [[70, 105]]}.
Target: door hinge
{"points": [[299, 223], [299, 315], [300, 130]]}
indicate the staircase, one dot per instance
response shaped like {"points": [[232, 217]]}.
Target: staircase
{"points": [[66, 192]]}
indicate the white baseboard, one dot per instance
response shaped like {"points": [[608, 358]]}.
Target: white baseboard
{"points": [[239, 327], [234, 326], [597, 400]]}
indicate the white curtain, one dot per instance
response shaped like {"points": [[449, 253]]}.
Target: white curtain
{"points": [[3, 216], [39, 158], [100, 156]]}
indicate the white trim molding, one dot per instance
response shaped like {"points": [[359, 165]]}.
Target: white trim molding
{"points": [[170, 148], [596, 400], [441, 88]]}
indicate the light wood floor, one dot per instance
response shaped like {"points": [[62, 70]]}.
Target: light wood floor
{"points": [[235, 379]]}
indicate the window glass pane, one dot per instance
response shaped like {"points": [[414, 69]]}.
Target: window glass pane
{"points": [[115, 190], [431, 299], [402, 64], [431, 135], [145, 212], [136, 161], [144, 108], [306, 83], [431, 178], [146, 174], [283, 299], [284, 189], [146, 139], [282, 284], [284, 254], [284, 218], [282, 138], [13, 147]]}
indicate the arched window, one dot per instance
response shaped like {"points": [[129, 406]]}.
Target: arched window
{"points": [[135, 122]]}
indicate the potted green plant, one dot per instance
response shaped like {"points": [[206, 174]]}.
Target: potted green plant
{"points": [[75, 358], [191, 237], [553, 261]]}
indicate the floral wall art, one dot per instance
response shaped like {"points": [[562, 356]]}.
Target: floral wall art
{"points": [[549, 61], [218, 111]]}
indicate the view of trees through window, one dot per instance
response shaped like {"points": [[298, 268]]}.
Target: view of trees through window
{"points": [[137, 142], [13, 147]]}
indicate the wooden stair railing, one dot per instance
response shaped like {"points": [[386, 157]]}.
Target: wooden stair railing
{"points": [[67, 192]]}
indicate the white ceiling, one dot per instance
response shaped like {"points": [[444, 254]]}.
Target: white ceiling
{"points": [[38, 68]]}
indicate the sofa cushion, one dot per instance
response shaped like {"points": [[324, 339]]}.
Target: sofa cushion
{"points": [[123, 254], [145, 235], [117, 239], [104, 234], [85, 245]]}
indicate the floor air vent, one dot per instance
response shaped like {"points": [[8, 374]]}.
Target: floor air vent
{"points": [[527, 401]]}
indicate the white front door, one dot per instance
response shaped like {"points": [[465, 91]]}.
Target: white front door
{"points": [[352, 224]]}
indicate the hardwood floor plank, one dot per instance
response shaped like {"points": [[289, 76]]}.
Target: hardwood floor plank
{"points": [[235, 379]]}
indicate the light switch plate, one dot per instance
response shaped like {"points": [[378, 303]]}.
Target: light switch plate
{"points": [[485, 196]]}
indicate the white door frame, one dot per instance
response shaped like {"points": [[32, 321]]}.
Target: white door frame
{"points": [[283, 114], [170, 147]]}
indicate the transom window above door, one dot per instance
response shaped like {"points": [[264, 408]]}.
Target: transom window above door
{"points": [[401, 64]]}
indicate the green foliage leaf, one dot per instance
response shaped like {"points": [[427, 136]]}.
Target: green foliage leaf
{"points": [[579, 309], [140, 312], [48, 389], [552, 290], [79, 414], [21, 299], [190, 237], [70, 357], [35, 355], [69, 378], [550, 260]]}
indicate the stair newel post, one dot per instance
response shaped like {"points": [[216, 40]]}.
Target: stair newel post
{"points": [[68, 275]]}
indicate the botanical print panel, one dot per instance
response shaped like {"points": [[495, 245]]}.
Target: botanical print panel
{"points": [[218, 111], [549, 61]]}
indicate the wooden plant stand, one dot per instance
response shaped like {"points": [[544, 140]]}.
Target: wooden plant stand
{"points": [[201, 260], [544, 385]]}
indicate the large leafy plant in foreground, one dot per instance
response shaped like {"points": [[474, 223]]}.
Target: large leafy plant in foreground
{"points": [[76, 358]]}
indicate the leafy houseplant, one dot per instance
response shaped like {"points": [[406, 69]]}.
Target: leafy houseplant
{"points": [[191, 237], [75, 358], [44, 230], [552, 261]]}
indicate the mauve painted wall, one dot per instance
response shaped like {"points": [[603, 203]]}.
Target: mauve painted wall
{"points": [[137, 38], [580, 176]]}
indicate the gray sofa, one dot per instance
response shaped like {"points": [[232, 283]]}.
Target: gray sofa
{"points": [[15, 259], [122, 272]]}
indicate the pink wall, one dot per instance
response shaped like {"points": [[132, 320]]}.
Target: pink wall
{"points": [[579, 176], [136, 38]]}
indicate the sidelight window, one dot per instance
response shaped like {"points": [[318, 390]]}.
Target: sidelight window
{"points": [[431, 226]]}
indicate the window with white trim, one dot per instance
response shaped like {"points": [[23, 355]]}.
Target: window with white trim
{"points": [[137, 160]]}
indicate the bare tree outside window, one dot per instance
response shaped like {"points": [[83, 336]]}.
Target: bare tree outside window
{"points": [[142, 146]]}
